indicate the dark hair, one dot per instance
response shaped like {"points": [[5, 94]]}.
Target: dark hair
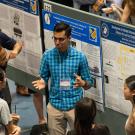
{"points": [[123, 4], [131, 5], [101, 130], [85, 112], [59, 27], [2, 75], [130, 82]]}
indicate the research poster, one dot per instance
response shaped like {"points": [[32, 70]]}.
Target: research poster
{"points": [[85, 38], [118, 43], [20, 20]]}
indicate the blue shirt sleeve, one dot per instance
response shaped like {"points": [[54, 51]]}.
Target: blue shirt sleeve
{"points": [[6, 42], [44, 68]]}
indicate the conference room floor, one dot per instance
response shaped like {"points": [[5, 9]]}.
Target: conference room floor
{"points": [[25, 108]]}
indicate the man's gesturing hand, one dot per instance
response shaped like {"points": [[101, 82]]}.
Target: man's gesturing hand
{"points": [[39, 84], [78, 81]]}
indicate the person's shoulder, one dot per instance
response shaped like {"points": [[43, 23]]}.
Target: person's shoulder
{"points": [[3, 102], [74, 50], [3, 36], [77, 52], [49, 52]]}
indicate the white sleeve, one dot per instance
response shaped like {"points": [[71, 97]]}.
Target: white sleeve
{"points": [[5, 116]]}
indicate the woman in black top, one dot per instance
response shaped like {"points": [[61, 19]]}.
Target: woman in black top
{"points": [[85, 112]]}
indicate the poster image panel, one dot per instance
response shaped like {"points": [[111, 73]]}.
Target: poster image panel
{"points": [[118, 43], [30, 6], [25, 28]]}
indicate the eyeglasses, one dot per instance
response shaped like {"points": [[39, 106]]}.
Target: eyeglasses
{"points": [[60, 39]]}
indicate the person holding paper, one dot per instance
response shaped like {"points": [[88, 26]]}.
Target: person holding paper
{"points": [[69, 74]]}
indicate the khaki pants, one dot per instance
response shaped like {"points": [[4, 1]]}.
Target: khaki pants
{"points": [[57, 120]]}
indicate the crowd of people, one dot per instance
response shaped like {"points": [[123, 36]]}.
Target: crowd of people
{"points": [[122, 10], [14, 48]]}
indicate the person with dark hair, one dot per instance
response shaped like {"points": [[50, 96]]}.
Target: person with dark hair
{"points": [[69, 74], [85, 113], [14, 49], [129, 94], [128, 15], [5, 116]]}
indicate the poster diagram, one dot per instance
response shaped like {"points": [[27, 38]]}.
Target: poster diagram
{"points": [[85, 38], [25, 28], [119, 65]]}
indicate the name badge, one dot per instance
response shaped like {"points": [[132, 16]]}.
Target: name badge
{"points": [[64, 84]]}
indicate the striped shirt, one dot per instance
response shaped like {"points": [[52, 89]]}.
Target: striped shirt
{"points": [[58, 66]]}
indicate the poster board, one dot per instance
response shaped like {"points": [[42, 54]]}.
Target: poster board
{"points": [[119, 65], [20, 20], [116, 97]]}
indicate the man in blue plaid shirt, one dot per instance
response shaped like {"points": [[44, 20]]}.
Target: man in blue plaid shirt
{"points": [[69, 74]]}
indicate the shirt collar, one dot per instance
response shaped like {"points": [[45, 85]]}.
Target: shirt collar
{"points": [[64, 54]]}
